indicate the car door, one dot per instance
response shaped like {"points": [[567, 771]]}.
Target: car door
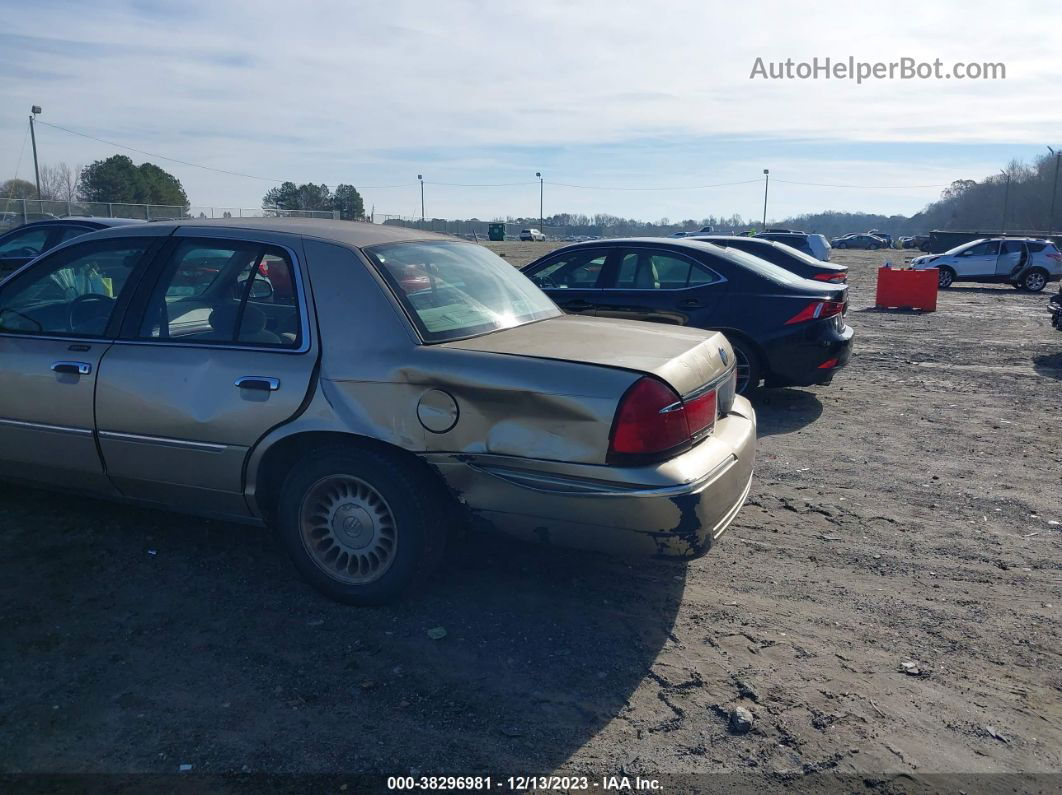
{"points": [[978, 260], [57, 319], [216, 351], [660, 286], [572, 278], [1012, 253]]}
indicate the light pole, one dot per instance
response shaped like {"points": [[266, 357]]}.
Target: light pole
{"points": [[1006, 199], [36, 109], [766, 183], [421, 178], [541, 222], [1054, 192]]}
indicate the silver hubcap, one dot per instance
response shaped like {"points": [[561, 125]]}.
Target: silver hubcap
{"points": [[348, 529], [744, 370], [945, 278], [1035, 281]]}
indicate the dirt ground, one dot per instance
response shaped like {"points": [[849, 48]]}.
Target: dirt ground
{"points": [[908, 513]]}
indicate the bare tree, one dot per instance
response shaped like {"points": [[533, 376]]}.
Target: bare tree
{"points": [[60, 182]]}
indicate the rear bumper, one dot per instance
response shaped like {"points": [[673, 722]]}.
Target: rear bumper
{"points": [[809, 356], [677, 508]]}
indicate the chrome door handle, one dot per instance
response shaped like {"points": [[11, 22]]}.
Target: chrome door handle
{"points": [[260, 382], [72, 368]]}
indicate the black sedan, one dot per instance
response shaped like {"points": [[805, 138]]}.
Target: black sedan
{"points": [[871, 242], [785, 330], [28, 241], [782, 255]]}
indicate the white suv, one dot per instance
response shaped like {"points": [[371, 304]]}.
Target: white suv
{"points": [[1022, 261], [532, 234]]}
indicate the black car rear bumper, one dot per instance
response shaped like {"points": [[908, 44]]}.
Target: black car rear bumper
{"points": [[808, 355]]}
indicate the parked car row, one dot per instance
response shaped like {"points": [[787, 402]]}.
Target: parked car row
{"points": [[1026, 262], [362, 387]]}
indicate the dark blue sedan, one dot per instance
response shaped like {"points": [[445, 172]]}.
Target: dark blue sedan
{"points": [[26, 242]]}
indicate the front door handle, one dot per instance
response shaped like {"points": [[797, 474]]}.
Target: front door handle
{"points": [[72, 368], [690, 303], [260, 382]]}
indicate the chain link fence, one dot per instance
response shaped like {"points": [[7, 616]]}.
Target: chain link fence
{"points": [[15, 212]]}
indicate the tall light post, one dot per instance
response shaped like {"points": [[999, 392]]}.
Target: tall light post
{"points": [[1006, 200], [541, 222], [421, 178], [766, 183], [34, 111], [1054, 192]]}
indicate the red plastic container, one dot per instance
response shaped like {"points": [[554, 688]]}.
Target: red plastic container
{"points": [[908, 289]]}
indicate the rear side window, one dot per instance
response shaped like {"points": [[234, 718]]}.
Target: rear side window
{"points": [[655, 270], [1036, 248], [1012, 246], [28, 243], [223, 292]]}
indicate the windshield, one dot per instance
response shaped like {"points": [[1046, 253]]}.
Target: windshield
{"points": [[457, 290]]}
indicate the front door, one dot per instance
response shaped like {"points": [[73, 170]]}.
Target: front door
{"points": [[978, 261], [660, 287], [572, 279], [216, 352], [56, 321]]}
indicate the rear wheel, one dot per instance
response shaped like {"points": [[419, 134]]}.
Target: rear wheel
{"points": [[945, 277], [747, 363], [1034, 281], [361, 526]]}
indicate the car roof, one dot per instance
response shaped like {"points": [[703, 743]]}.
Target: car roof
{"points": [[352, 233], [81, 220]]}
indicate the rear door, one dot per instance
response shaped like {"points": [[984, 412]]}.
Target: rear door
{"points": [[572, 279], [217, 351], [1012, 254], [660, 286]]}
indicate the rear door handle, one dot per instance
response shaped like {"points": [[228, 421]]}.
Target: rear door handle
{"points": [[72, 368], [690, 303], [260, 382]]}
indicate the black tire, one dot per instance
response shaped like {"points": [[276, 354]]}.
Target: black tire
{"points": [[1034, 280], [945, 277], [750, 370], [414, 520], [873, 246], [841, 245]]}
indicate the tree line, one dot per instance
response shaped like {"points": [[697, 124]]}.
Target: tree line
{"points": [[116, 179]]}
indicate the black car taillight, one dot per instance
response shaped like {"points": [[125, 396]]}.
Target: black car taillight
{"points": [[817, 310], [833, 276]]}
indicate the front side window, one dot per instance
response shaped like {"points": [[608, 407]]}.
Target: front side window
{"points": [[458, 290], [27, 243], [224, 292], [988, 248], [577, 270], [72, 292]]}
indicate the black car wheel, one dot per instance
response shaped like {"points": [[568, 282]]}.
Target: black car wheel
{"points": [[747, 363], [945, 277], [1034, 281], [873, 246], [360, 525]]}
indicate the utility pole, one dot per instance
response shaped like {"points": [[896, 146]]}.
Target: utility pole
{"points": [[1054, 192], [1006, 200], [36, 109], [541, 222], [766, 183], [421, 178]]}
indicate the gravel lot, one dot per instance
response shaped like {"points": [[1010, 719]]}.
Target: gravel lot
{"points": [[908, 513]]}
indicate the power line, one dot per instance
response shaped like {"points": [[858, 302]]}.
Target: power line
{"points": [[197, 165], [670, 187], [867, 187]]}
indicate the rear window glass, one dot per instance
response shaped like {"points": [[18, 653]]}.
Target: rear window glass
{"points": [[761, 267], [457, 290]]}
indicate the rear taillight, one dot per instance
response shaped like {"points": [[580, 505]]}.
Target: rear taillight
{"points": [[653, 421], [727, 393], [1056, 256], [817, 310], [838, 277]]}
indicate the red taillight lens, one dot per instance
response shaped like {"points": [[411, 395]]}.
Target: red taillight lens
{"points": [[829, 364], [701, 412], [838, 276], [651, 419], [817, 310], [1056, 256]]}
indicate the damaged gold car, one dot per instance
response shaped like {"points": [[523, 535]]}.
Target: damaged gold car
{"points": [[359, 388]]}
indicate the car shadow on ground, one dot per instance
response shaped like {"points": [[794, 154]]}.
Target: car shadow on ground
{"points": [[781, 411], [1049, 365], [138, 640]]}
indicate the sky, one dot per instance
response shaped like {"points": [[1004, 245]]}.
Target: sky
{"points": [[649, 106]]}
